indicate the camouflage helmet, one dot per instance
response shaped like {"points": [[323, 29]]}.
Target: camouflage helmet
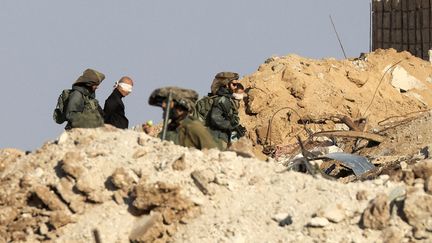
{"points": [[183, 97], [90, 77], [222, 79]]}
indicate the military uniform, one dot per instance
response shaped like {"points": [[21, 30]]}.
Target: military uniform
{"points": [[224, 116], [83, 110], [185, 131]]}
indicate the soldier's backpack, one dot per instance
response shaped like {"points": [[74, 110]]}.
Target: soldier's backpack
{"points": [[203, 108], [59, 114]]}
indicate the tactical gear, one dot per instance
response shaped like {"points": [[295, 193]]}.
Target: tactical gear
{"points": [[182, 97], [227, 75], [59, 115], [90, 77], [83, 110], [223, 117], [222, 79], [203, 108]]}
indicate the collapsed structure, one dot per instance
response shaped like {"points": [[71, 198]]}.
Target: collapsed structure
{"points": [[110, 185]]}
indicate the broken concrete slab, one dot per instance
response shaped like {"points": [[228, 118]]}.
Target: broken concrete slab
{"points": [[377, 214]]}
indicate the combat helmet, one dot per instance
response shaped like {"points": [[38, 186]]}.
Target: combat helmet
{"points": [[183, 97]]}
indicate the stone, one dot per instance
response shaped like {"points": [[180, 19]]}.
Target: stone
{"points": [[147, 229], [64, 137], [428, 185], [202, 180], [418, 210], [392, 235], [139, 153], [71, 164], [243, 147], [362, 195], [403, 81], [7, 214], [43, 229], [278, 67], [85, 184], [60, 218], [123, 179], [333, 212], [283, 219], [180, 163], [49, 198], [408, 177], [377, 214], [318, 222], [423, 169]]}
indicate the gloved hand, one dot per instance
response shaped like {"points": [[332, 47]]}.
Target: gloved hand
{"points": [[241, 130]]}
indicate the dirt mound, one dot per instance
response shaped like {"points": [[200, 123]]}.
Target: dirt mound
{"points": [[292, 95], [124, 185], [111, 185]]}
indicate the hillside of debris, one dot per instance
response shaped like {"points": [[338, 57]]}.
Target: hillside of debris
{"points": [[111, 185], [294, 96]]}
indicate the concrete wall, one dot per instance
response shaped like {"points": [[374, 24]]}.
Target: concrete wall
{"points": [[403, 25]]}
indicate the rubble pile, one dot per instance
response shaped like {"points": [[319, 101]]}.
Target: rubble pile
{"points": [[292, 95], [111, 185]]}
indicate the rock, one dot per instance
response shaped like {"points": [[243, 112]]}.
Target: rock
{"points": [[180, 163], [418, 211], [148, 229], [403, 81], [123, 179], [64, 137], [278, 67], [60, 218], [71, 164], [139, 153], [362, 195], [202, 179], [428, 185], [85, 184], [49, 198], [318, 222], [65, 190], [243, 147], [377, 214], [357, 77], [7, 214], [333, 212], [392, 235], [408, 177], [423, 169], [43, 229], [283, 219]]}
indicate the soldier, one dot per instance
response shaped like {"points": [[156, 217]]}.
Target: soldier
{"points": [[223, 117], [182, 128], [83, 110], [114, 109]]}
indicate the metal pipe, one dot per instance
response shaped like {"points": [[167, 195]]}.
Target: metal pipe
{"points": [[166, 118]]}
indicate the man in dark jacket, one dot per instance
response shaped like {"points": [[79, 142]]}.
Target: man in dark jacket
{"points": [[83, 110], [114, 109], [224, 117]]}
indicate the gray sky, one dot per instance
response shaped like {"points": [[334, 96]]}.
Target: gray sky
{"points": [[46, 44]]}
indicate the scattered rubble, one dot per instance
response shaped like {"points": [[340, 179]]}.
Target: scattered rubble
{"points": [[80, 188]]}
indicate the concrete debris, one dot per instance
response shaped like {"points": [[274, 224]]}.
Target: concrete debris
{"points": [[418, 211], [335, 213], [377, 214], [130, 186], [318, 222]]}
